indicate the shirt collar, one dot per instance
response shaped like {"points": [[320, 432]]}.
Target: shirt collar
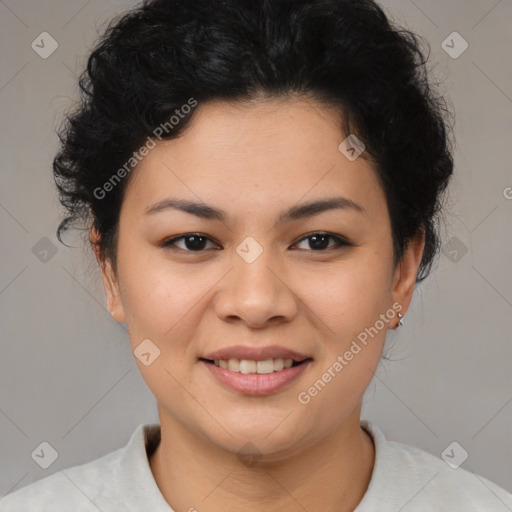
{"points": [[142, 492]]}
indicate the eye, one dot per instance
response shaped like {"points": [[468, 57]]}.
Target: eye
{"points": [[193, 242], [197, 242], [320, 241]]}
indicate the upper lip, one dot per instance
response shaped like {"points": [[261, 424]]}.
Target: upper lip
{"points": [[255, 353]]}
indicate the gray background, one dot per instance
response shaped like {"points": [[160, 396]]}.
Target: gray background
{"points": [[67, 375]]}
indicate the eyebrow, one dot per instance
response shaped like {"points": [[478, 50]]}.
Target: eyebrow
{"points": [[296, 212]]}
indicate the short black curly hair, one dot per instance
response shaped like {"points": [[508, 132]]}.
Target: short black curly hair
{"points": [[346, 54]]}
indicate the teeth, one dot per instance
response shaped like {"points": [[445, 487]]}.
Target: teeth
{"points": [[266, 366], [234, 365], [247, 366], [250, 366], [278, 364]]}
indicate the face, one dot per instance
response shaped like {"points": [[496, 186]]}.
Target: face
{"points": [[257, 271]]}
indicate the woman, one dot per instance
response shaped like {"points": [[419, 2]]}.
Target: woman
{"points": [[261, 183]]}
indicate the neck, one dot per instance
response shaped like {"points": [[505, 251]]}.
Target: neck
{"points": [[331, 475]]}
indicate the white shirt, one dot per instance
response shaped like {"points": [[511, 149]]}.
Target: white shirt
{"points": [[404, 478]]}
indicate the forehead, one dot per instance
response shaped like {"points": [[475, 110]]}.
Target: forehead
{"points": [[281, 151]]}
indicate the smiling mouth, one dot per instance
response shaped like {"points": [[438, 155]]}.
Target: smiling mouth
{"points": [[250, 366]]}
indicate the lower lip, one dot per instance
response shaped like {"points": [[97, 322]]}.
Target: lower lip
{"points": [[254, 383]]}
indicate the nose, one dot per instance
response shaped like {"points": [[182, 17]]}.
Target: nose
{"points": [[256, 292]]}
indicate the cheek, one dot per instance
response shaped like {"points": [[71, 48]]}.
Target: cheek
{"points": [[162, 306], [351, 296], [351, 306], [156, 298], [351, 303]]}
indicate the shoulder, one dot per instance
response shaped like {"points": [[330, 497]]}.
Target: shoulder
{"points": [[108, 483], [408, 477], [80, 486]]}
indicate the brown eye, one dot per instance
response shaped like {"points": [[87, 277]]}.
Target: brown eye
{"points": [[320, 241], [192, 242]]}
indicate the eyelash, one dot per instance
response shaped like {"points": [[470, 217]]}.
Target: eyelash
{"points": [[339, 242]]}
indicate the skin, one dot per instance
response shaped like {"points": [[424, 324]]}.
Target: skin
{"points": [[255, 161]]}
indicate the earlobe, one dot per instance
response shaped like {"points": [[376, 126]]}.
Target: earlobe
{"points": [[405, 274], [111, 286], [110, 282]]}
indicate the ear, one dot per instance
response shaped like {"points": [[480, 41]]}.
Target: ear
{"points": [[404, 278], [110, 281]]}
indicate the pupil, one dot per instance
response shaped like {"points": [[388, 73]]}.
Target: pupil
{"points": [[197, 242], [318, 241]]}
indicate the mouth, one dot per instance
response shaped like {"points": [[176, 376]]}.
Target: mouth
{"points": [[252, 366], [256, 371], [256, 377]]}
